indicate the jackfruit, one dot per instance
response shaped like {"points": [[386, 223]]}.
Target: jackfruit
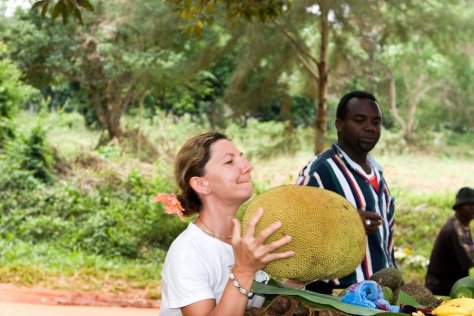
{"points": [[328, 236], [421, 294], [389, 277]]}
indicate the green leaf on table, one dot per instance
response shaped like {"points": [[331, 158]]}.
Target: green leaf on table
{"points": [[404, 298], [275, 288]]}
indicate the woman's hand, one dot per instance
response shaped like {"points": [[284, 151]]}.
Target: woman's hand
{"points": [[371, 221], [251, 253]]}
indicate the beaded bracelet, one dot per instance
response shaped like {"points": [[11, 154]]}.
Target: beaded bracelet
{"points": [[237, 285]]}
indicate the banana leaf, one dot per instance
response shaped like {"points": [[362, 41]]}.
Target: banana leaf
{"points": [[274, 288], [404, 298]]}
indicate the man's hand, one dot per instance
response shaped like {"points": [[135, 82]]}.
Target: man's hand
{"points": [[371, 221]]}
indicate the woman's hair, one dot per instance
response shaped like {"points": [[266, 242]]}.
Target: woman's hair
{"points": [[190, 162]]}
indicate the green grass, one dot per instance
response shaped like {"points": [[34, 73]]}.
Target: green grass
{"points": [[66, 131], [47, 265]]}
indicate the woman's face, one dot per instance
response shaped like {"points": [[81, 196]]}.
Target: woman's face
{"points": [[228, 173]]}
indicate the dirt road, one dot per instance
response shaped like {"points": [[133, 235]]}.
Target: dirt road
{"points": [[22, 309], [24, 301]]}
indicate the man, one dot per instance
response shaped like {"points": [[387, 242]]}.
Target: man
{"points": [[453, 252], [348, 169]]}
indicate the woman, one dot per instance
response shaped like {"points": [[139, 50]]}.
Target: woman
{"points": [[209, 268]]}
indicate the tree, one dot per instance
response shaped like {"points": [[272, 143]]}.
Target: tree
{"points": [[116, 57], [343, 39], [459, 114], [416, 67], [198, 13], [330, 20], [415, 78], [324, 35], [317, 67]]}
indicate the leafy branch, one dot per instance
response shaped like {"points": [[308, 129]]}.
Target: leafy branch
{"points": [[65, 8]]}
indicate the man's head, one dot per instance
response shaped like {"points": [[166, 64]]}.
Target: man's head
{"points": [[464, 205], [358, 122]]}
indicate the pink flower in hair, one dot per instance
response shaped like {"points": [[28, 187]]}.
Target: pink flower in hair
{"points": [[171, 203]]}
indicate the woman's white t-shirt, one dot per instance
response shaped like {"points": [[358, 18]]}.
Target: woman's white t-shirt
{"points": [[197, 268]]}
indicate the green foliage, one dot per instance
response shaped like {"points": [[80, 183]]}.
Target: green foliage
{"points": [[196, 13], [65, 8], [392, 142], [12, 92], [105, 68], [12, 89], [265, 139], [31, 154], [420, 217], [303, 110], [38, 157], [98, 222], [107, 231], [60, 213], [7, 131], [42, 262], [185, 75], [195, 99]]}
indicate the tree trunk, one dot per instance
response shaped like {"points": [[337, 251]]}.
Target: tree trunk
{"points": [[414, 91], [107, 115], [139, 129], [322, 111], [109, 96], [290, 144], [410, 126], [320, 76], [393, 103], [285, 111], [113, 124]]}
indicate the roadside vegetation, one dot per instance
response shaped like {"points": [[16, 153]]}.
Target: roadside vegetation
{"points": [[82, 218]]}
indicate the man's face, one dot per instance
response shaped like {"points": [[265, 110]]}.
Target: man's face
{"points": [[466, 211], [361, 126]]}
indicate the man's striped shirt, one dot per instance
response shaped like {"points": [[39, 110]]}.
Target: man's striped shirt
{"points": [[334, 170]]}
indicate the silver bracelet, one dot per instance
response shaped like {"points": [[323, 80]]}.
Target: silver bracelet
{"points": [[237, 285]]}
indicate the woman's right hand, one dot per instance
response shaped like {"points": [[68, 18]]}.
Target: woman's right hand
{"points": [[250, 251], [251, 254]]}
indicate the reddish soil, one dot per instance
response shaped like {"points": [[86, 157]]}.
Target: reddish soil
{"points": [[17, 294]]}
